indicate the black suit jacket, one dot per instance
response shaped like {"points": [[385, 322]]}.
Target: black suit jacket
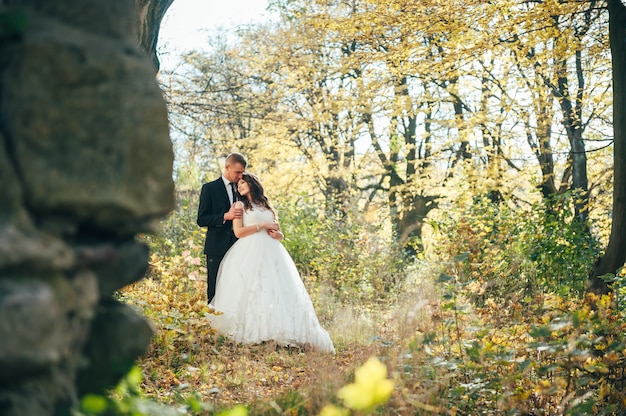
{"points": [[214, 203]]}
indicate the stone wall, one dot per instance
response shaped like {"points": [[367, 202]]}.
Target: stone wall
{"points": [[85, 166]]}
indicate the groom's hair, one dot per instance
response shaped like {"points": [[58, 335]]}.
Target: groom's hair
{"points": [[236, 157]]}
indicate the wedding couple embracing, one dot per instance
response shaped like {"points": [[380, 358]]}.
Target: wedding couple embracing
{"points": [[251, 278]]}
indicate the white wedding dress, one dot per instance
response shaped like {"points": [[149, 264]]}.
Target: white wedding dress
{"points": [[261, 295]]}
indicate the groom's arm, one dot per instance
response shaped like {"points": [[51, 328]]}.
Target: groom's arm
{"points": [[207, 215]]}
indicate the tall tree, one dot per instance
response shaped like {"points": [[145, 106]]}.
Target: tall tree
{"points": [[615, 254], [559, 92], [213, 100], [388, 42], [570, 95], [399, 101]]}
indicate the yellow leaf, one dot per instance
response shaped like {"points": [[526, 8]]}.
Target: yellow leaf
{"points": [[238, 410], [370, 387], [331, 410]]}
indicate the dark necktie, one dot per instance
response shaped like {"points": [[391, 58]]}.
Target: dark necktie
{"points": [[234, 189]]}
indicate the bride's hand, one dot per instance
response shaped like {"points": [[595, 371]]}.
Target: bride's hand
{"points": [[269, 226], [276, 234]]}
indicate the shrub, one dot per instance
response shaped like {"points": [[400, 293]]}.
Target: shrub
{"points": [[337, 249], [510, 252]]}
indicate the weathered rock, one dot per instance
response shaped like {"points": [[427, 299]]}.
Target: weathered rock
{"points": [[31, 328], [85, 165], [107, 359], [117, 266], [71, 90]]}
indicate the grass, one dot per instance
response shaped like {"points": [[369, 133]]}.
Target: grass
{"points": [[445, 356], [186, 358]]}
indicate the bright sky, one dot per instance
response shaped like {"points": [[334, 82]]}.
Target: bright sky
{"points": [[187, 22]]}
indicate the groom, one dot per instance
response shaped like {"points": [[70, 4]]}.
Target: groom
{"points": [[216, 211]]}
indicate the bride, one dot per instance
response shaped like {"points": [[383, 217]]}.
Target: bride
{"points": [[259, 291]]}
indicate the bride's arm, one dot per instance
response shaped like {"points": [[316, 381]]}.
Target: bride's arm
{"points": [[241, 231], [238, 228], [275, 232]]}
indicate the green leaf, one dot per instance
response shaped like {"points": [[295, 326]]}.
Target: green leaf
{"points": [[461, 258], [444, 278], [93, 403], [540, 332]]}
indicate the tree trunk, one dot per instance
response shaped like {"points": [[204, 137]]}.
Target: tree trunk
{"points": [[615, 255], [572, 121], [578, 156], [151, 14]]}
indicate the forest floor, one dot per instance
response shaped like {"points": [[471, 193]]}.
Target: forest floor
{"points": [[188, 360], [536, 355]]}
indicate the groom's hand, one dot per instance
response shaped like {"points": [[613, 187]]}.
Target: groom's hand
{"points": [[238, 211], [233, 213]]}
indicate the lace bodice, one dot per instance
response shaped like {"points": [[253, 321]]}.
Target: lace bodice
{"points": [[257, 215]]}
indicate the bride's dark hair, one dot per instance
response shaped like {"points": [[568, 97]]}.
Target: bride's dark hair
{"points": [[257, 193]]}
